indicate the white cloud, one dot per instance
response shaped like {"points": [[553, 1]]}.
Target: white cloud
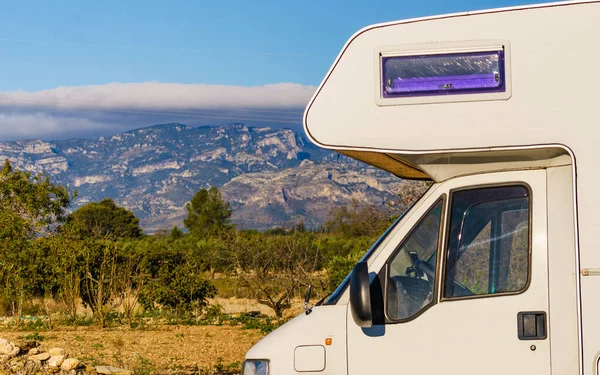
{"points": [[163, 96], [90, 111]]}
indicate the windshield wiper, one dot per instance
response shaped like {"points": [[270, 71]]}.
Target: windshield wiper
{"points": [[322, 300]]}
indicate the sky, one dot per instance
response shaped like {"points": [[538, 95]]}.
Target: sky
{"points": [[85, 69]]}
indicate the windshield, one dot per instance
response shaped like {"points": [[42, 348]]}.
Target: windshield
{"points": [[337, 293], [411, 272]]}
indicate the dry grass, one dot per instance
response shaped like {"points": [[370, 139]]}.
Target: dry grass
{"points": [[162, 348], [158, 347]]}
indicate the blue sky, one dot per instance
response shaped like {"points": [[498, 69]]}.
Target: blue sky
{"points": [[45, 45]]}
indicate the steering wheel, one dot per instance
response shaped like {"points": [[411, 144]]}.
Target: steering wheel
{"points": [[419, 267]]}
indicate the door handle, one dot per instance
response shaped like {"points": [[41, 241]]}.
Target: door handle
{"points": [[532, 325]]}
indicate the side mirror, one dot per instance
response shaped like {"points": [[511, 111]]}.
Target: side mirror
{"points": [[360, 296]]}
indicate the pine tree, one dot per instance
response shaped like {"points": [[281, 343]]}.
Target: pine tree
{"points": [[208, 213]]}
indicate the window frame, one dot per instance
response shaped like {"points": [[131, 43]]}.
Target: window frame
{"points": [[445, 251], [439, 252]]}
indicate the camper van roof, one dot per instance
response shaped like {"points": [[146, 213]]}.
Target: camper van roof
{"points": [[431, 97]]}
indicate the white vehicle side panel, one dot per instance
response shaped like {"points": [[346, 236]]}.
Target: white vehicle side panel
{"points": [[562, 272], [306, 330]]}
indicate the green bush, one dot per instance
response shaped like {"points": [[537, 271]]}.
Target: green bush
{"points": [[176, 275], [339, 267]]}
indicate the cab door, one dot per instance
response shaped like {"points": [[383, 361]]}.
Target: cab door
{"points": [[464, 284]]}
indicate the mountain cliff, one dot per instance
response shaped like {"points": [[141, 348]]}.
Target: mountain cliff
{"points": [[270, 176]]}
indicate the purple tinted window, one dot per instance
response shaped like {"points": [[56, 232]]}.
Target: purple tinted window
{"points": [[461, 73]]}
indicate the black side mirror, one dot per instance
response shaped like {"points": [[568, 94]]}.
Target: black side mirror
{"points": [[360, 296]]}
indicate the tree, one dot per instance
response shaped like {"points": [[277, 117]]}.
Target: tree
{"points": [[176, 233], [358, 220], [300, 228], [208, 213], [408, 193], [175, 274], [103, 220], [274, 268], [60, 268], [339, 267], [100, 283], [30, 207]]}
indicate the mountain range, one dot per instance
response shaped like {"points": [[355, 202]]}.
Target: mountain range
{"points": [[271, 177]]}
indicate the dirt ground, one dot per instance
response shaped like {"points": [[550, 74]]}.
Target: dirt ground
{"points": [[157, 348]]}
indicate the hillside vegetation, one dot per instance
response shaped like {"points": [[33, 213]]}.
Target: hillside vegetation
{"points": [[96, 267], [98, 255]]}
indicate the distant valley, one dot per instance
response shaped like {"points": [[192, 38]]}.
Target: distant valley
{"points": [[271, 177]]}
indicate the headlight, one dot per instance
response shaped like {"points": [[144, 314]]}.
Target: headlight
{"points": [[256, 367]]}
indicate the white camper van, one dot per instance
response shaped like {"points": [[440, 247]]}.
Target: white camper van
{"points": [[496, 269]]}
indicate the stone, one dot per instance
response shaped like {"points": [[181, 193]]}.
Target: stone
{"points": [[69, 364], [34, 351], [56, 360], [40, 357], [109, 370], [9, 349], [56, 351], [17, 365], [31, 367]]}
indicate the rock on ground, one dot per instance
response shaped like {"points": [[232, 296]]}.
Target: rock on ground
{"points": [[56, 361], [70, 364], [40, 357], [8, 349]]}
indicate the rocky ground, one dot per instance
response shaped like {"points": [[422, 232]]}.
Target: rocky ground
{"points": [[155, 350], [27, 358], [157, 347]]}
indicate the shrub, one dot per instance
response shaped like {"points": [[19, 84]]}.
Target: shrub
{"points": [[339, 267], [176, 277]]}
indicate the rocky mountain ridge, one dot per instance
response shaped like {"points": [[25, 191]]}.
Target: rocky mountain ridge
{"points": [[270, 176]]}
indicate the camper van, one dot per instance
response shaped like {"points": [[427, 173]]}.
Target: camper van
{"points": [[496, 269]]}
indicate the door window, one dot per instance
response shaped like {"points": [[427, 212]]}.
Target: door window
{"points": [[411, 272], [488, 242]]}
